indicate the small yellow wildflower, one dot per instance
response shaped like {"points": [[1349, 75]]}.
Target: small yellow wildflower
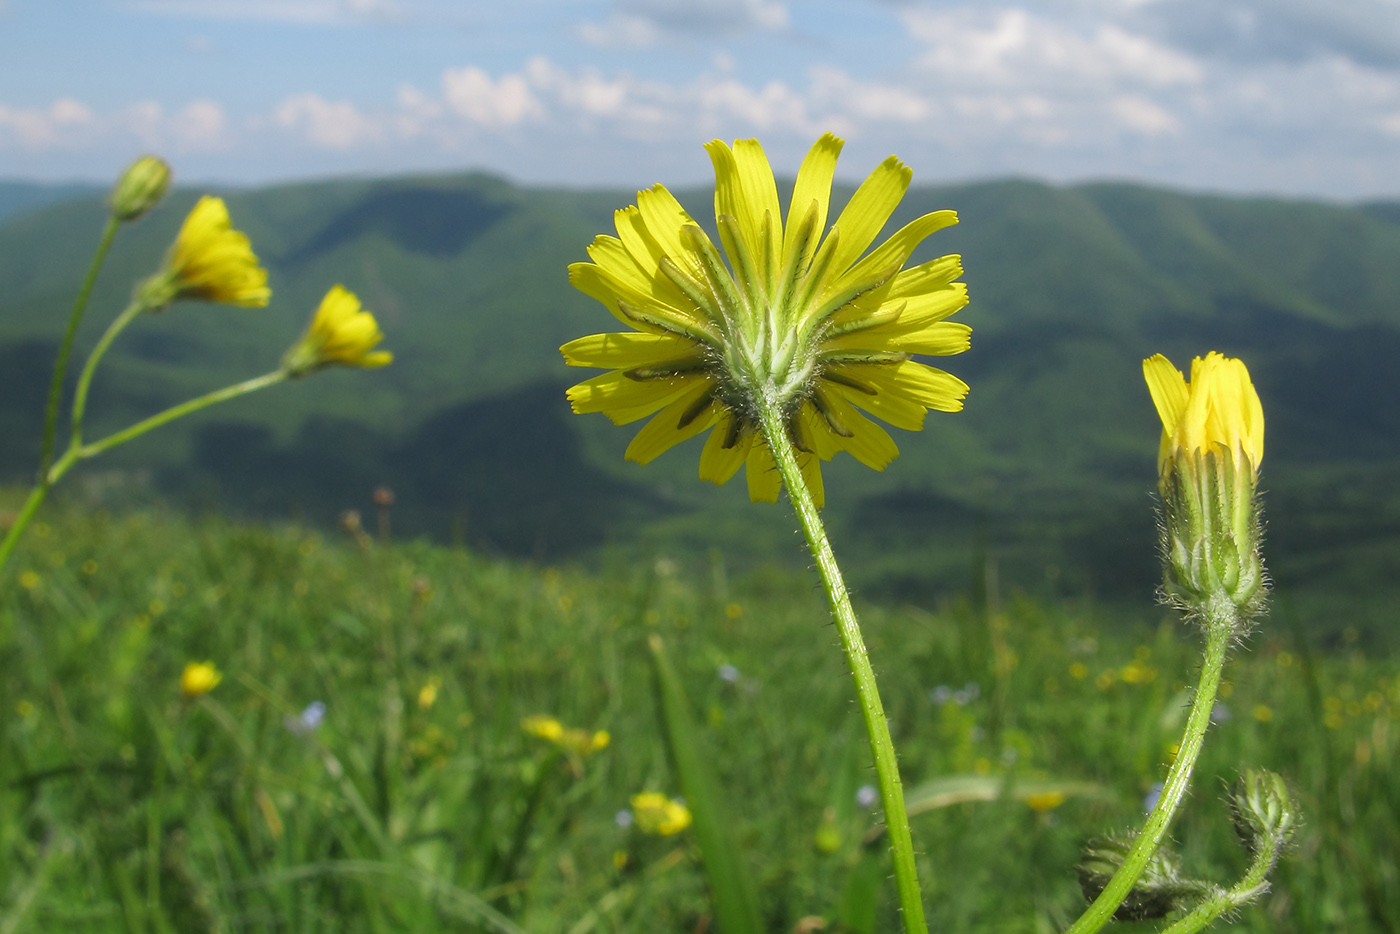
{"points": [[428, 693], [209, 261], [341, 334], [783, 322], [29, 580], [658, 814], [199, 678], [1263, 713]]}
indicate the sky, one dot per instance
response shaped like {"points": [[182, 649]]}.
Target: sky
{"points": [[1287, 97]]}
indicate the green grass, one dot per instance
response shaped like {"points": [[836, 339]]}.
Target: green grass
{"points": [[124, 807]]}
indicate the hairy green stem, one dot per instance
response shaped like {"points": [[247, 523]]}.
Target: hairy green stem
{"points": [[881, 745], [1220, 625], [60, 367], [1242, 893]]}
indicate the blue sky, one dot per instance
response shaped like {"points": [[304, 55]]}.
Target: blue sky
{"points": [[1297, 97]]}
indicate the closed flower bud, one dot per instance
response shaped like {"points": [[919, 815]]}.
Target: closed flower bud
{"points": [[1212, 444], [140, 188], [1262, 809], [1159, 891]]}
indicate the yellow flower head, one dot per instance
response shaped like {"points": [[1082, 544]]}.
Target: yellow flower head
{"points": [[815, 327], [341, 333], [209, 261], [658, 814], [1208, 469], [199, 678], [544, 727], [1218, 409]]}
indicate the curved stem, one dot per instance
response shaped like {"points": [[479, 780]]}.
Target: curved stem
{"points": [[60, 367], [878, 730], [1220, 629], [184, 408], [1242, 893], [85, 380]]}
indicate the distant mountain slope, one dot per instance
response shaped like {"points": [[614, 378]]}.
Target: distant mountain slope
{"points": [[1048, 468], [18, 197]]}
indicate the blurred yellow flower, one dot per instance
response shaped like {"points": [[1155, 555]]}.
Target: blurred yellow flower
{"points": [[785, 321], [341, 333], [570, 739], [658, 814], [428, 693], [199, 678], [1045, 800], [209, 261]]}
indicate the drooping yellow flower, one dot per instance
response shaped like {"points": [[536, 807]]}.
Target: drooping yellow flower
{"points": [[1208, 471], [1219, 408], [816, 327], [209, 261], [658, 814], [341, 334], [199, 678]]}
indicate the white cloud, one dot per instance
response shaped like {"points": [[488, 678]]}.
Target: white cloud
{"points": [[643, 23], [200, 125], [316, 12], [472, 93], [59, 125], [1013, 47], [1143, 116], [330, 124]]}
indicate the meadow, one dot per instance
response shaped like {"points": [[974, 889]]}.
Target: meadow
{"points": [[362, 765]]}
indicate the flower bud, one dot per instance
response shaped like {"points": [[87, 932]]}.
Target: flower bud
{"points": [[140, 188], [1159, 891], [1212, 443], [1262, 809]]}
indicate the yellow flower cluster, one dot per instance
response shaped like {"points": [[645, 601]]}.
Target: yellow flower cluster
{"points": [[658, 814], [570, 739]]}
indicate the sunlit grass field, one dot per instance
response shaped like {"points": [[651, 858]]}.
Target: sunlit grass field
{"points": [[418, 803]]}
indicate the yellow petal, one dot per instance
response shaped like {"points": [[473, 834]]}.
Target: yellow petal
{"points": [[665, 431], [916, 382], [893, 408], [813, 185], [896, 250], [646, 251], [1167, 386], [665, 219], [865, 215], [926, 277], [718, 463], [869, 443], [765, 483], [625, 400], [626, 349]]}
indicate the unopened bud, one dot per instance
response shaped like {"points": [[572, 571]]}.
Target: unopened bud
{"points": [[1159, 891], [140, 188], [1263, 809]]}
